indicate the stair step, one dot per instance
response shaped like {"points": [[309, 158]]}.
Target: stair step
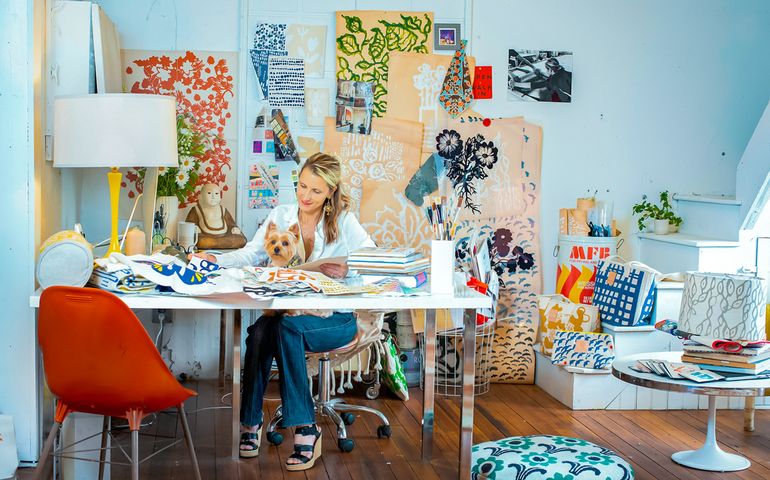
{"points": [[690, 240], [697, 197]]}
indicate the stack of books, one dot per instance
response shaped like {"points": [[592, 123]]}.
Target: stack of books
{"points": [[407, 262], [749, 362]]}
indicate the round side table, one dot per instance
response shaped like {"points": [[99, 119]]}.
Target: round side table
{"points": [[709, 457]]}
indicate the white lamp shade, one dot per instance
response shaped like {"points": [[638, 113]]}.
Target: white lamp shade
{"points": [[115, 130], [720, 305]]}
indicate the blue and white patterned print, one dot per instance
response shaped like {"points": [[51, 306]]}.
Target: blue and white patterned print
{"points": [[629, 298], [583, 349]]}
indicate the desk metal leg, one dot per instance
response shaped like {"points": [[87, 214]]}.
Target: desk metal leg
{"points": [[429, 390], [469, 382], [710, 457], [222, 346], [236, 382]]}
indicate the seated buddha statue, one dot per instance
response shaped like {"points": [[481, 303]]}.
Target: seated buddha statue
{"points": [[217, 229]]}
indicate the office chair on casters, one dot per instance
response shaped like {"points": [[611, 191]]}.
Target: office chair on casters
{"points": [[99, 359], [369, 327]]}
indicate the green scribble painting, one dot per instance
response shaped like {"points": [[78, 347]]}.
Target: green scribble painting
{"points": [[366, 38]]}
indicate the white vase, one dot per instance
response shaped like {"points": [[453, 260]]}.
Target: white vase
{"points": [[660, 227], [169, 206], [673, 228]]}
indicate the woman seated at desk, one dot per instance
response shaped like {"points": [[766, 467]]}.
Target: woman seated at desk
{"points": [[327, 229]]}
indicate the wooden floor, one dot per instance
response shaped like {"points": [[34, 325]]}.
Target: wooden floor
{"points": [[645, 438]]}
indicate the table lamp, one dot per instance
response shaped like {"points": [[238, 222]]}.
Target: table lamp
{"points": [[114, 131]]}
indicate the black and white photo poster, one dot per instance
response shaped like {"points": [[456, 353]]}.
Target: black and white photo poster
{"points": [[540, 75]]}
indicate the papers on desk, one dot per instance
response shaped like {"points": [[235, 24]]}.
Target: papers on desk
{"points": [[273, 281]]}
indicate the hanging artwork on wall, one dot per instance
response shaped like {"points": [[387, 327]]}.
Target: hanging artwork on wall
{"points": [[204, 86], [316, 106], [540, 75], [418, 79], [308, 42], [286, 82], [353, 107], [270, 36], [496, 167], [447, 36], [260, 60], [263, 186], [376, 169], [365, 40], [482, 82]]}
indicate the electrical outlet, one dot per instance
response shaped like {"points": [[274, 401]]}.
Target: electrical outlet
{"points": [[168, 315]]}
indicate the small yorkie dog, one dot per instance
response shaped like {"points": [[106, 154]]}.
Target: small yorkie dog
{"points": [[283, 250]]}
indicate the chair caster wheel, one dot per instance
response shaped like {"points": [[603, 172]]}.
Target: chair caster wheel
{"points": [[274, 438], [348, 418], [345, 444], [383, 431], [372, 392]]}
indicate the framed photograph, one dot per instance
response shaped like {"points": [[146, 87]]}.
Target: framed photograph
{"points": [[540, 76], [446, 36]]}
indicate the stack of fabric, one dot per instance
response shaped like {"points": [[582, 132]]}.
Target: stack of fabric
{"points": [[390, 261]]}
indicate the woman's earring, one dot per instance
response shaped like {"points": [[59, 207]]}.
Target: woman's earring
{"points": [[328, 207]]}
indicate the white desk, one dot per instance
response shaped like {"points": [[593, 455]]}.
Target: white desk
{"points": [[709, 457], [464, 298]]}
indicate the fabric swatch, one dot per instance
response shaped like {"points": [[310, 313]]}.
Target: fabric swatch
{"points": [[316, 106], [308, 42], [457, 92], [270, 36], [286, 82], [260, 61]]}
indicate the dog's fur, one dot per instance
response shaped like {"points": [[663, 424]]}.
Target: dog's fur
{"points": [[283, 249]]}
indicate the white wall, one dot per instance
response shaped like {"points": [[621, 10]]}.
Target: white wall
{"points": [[18, 361]]}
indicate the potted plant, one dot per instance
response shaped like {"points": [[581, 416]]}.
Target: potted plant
{"points": [[662, 215], [175, 184]]}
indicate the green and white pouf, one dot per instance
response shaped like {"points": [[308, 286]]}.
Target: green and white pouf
{"points": [[541, 457]]}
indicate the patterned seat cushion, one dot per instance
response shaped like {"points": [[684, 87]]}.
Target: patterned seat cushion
{"points": [[541, 457]]}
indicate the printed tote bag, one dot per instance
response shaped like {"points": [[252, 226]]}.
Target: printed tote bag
{"points": [[625, 292]]}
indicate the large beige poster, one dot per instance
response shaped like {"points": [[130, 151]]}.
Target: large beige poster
{"points": [[376, 169]]}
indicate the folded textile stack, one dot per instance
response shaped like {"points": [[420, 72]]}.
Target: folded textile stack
{"points": [[274, 282], [396, 261]]}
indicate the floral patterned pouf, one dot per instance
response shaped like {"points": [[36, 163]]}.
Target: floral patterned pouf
{"points": [[541, 457]]}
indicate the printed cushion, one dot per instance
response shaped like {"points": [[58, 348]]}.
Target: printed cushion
{"points": [[541, 457]]}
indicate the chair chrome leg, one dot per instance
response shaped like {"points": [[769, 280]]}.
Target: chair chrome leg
{"points": [[273, 425], [188, 441], [341, 431], [134, 454], [103, 448], [40, 470], [346, 407]]}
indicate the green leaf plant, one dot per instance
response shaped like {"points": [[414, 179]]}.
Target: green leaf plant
{"points": [[648, 210]]}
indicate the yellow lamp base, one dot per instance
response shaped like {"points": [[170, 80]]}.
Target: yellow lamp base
{"points": [[113, 177]]}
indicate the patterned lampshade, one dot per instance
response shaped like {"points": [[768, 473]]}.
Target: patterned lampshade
{"points": [[725, 306]]}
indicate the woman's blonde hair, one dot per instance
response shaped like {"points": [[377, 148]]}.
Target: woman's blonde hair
{"points": [[328, 168]]}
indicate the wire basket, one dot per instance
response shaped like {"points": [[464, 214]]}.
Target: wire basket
{"points": [[449, 354]]}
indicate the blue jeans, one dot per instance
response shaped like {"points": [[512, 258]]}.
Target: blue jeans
{"points": [[287, 338]]}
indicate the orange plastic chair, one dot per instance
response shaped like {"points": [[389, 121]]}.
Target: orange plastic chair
{"points": [[99, 359]]}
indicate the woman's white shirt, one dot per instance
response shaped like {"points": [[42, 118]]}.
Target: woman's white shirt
{"points": [[352, 236]]}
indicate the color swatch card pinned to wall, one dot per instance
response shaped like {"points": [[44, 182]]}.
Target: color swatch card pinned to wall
{"points": [[286, 82], [482, 82], [308, 42], [263, 186], [262, 141], [285, 149]]}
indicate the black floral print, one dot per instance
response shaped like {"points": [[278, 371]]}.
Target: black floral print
{"points": [[466, 162]]}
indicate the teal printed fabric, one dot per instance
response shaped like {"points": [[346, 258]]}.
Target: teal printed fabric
{"points": [[583, 349], [547, 457]]}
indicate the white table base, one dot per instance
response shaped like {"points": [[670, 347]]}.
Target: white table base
{"points": [[710, 457]]}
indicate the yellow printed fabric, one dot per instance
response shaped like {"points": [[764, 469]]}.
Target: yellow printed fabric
{"points": [[559, 313]]}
